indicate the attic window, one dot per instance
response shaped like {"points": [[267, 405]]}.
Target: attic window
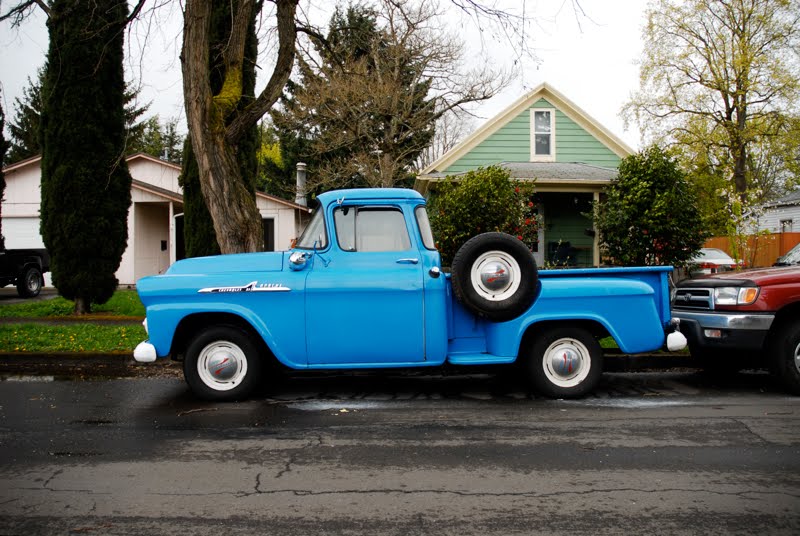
{"points": [[543, 134]]}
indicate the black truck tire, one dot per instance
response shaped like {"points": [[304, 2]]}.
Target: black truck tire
{"points": [[785, 351], [29, 285], [222, 363], [564, 362], [495, 276]]}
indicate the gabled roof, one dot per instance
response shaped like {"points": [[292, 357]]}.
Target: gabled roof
{"points": [[282, 201], [554, 97], [550, 171], [22, 163], [131, 158], [144, 156], [790, 199], [161, 192], [553, 174]]}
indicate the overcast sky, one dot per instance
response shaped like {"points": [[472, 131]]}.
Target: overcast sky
{"points": [[590, 59]]}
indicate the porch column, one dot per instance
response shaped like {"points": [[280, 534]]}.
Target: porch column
{"points": [[172, 250], [596, 244]]}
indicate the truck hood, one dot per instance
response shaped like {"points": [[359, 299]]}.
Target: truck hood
{"points": [[239, 262], [761, 277]]}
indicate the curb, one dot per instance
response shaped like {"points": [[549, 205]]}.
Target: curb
{"points": [[15, 362]]}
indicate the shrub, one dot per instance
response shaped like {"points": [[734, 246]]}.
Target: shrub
{"points": [[650, 215], [483, 200]]}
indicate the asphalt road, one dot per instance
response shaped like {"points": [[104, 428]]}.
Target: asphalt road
{"points": [[401, 454]]}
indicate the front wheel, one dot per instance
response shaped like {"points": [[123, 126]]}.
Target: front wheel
{"points": [[222, 363], [565, 362], [30, 284], [785, 350]]}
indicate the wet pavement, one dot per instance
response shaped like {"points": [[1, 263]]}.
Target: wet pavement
{"points": [[399, 453]]}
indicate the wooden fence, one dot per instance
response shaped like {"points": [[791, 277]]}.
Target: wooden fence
{"points": [[761, 250]]}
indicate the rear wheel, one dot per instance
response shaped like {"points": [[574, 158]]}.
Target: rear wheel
{"points": [[30, 284], [785, 350], [222, 363], [565, 362]]}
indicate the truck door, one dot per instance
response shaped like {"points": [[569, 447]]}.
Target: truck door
{"points": [[365, 303]]}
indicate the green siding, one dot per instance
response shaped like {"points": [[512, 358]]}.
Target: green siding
{"points": [[512, 143]]}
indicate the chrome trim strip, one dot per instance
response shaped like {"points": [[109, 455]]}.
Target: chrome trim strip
{"points": [[255, 286]]}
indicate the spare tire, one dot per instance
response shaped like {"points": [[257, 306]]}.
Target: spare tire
{"points": [[495, 276]]}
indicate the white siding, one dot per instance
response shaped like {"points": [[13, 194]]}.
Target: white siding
{"points": [[771, 220]]}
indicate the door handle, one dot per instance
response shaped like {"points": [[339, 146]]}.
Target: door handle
{"points": [[407, 261]]}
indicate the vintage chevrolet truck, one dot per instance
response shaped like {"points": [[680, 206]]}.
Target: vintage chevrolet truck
{"points": [[364, 288]]}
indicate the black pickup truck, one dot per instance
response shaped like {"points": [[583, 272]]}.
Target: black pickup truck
{"points": [[24, 268]]}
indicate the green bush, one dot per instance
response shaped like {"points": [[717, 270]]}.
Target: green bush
{"points": [[481, 201], [650, 215]]}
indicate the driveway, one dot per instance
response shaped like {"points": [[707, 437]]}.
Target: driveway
{"points": [[8, 295]]}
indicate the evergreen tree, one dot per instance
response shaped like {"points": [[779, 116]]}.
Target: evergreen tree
{"points": [[198, 231], [156, 139], [24, 128], [360, 114], [3, 148], [86, 187]]}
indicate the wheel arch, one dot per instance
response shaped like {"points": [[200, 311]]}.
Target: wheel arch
{"points": [[597, 330], [788, 314], [191, 324]]}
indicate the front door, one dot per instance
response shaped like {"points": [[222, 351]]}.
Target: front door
{"points": [[365, 303]]}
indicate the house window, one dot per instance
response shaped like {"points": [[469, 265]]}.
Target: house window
{"points": [[787, 226], [543, 133]]}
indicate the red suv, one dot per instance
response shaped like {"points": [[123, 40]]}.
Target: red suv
{"points": [[735, 317]]}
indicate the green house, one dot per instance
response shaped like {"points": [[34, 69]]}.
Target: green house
{"points": [[544, 137]]}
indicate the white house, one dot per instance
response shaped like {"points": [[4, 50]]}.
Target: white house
{"points": [[154, 219], [783, 215]]}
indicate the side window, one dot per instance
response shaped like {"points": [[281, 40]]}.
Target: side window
{"points": [[425, 227], [371, 229]]}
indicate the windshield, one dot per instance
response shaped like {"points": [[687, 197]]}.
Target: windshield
{"points": [[793, 257], [314, 236]]}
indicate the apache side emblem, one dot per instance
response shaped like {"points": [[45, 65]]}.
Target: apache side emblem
{"points": [[255, 286]]}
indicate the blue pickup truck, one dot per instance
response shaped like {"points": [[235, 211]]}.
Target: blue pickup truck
{"points": [[364, 288]]}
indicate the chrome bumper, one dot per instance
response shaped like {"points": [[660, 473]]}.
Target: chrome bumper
{"points": [[719, 320]]}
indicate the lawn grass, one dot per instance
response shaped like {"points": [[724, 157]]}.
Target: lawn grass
{"points": [[122, 303], [77, 337]]}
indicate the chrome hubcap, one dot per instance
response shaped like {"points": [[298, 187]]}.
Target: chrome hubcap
{"points": [[33, 282], [566, 362], [222, 365], [495, 275]]}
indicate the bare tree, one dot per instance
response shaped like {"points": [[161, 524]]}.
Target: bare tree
{"points": [[720, 76], [369, 95], [450, 129]]}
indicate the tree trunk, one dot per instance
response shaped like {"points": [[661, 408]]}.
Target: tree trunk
{"points": [[82, 306], [215, 126]]}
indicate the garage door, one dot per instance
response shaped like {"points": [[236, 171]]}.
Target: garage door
{"points": [[22, 233]]}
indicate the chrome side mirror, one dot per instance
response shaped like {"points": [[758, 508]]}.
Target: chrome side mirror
{"points": [[298, 260]]}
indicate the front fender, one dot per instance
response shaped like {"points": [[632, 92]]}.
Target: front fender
{"points": [[164, 321]]}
